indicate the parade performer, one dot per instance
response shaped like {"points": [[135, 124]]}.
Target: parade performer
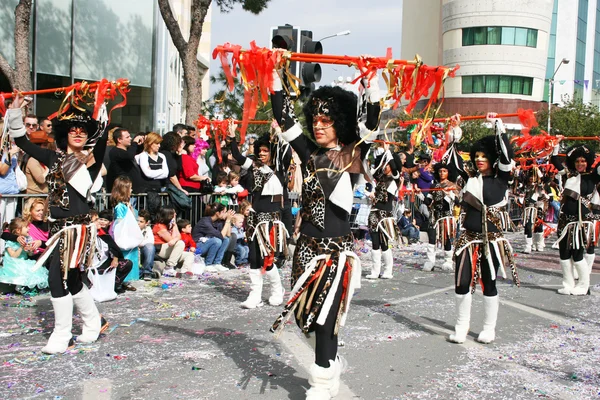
{"points": [[382, 223], [265, 232], [70, 249], [325, 268], [449, 175], [576, 234], [535, 206], [481, 251]]}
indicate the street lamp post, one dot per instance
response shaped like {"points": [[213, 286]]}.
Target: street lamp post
{"points": [[551, 89], [342, 33]]}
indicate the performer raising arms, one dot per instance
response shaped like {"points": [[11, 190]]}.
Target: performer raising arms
{"points": [[575, 221], [481, 248], [266, 233], [382, 224], [73, 172], [325, 269]]}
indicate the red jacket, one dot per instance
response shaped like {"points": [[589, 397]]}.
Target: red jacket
{"points": [[189, 167], [189, 242]]}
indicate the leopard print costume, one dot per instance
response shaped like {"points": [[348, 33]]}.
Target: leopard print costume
{"points": [[254, 218], [260, 178], [381, 193], [58, 194], [313, 198], [308, 248]]}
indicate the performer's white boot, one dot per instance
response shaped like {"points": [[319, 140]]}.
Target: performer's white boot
{"points": [[538, 241], [448, 265], [490, 315], [583, 285], [590, 258], [430, 263], [61, 338], [376, 268], [323, 381], [463, 318], [388, 264], [256, 284], [92, 320], [568, 281], [528, 245], [277, 290]]}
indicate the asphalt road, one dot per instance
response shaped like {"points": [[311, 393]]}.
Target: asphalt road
{"points": [[193, 341]]}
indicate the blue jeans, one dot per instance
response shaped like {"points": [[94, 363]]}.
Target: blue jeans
{"points": [[212, 250], [556, 205], [410, 232], [241, 254], [147, 254]]}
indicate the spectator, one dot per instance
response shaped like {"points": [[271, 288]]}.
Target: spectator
{"points": [[188, 175], [220, 189], [110, 144], [408, 228], [185, 228], [227, 165], [211, 235], [171, 147], [147, 248], [46, 127], [34, 213], [35, 171], [180, 129], [120, 197], [122, 160], [241, 247], [17, 268], [31, 124], [425, 178], [8, 186], [109, 255], [154, 170], [234, 189], [199, 155], [169, 245]]}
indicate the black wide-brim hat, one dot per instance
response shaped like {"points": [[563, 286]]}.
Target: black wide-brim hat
{"points": [[574, 152], [74, 119]]}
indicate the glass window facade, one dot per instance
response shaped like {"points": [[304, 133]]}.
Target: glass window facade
{"points": [[110, 39], [580, 49], [499, 35], [551, 51], [497, 84]]}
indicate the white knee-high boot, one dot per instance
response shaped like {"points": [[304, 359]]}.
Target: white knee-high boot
{"points": [[277, 290], [448, 265], [463, 318], [323, 381], [92, 321], [528, 245], [490, 315], [256, 284], [568, 281], [430, 263], [583, 284], [376, 268], [61, 338], [538, 241], [388, 264]]}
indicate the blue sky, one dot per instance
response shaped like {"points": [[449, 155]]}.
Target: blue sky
{"points": [[373, 29]]}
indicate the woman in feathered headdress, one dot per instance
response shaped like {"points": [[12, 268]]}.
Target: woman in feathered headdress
{"points": [[481, 251], [74, 175], [576, 233], [325, 268]]}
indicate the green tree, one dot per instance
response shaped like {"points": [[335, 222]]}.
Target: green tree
{"points": [[193, 72]]}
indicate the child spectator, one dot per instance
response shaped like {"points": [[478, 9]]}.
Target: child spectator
{"points": [[120, 197], [17, 269], [234, 189], [185, 229], [220, 190], [147, 248], [241, 247], [408, 228], [109, 255], [169, 245]]}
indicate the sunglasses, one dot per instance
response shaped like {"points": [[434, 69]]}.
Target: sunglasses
{"points": [[28, 125]]}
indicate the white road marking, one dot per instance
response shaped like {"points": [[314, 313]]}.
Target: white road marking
{"points": [[305, 356], [418, 296]]}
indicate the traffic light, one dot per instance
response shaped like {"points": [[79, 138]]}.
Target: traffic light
{"points": [[286, 37], [309, 72]]}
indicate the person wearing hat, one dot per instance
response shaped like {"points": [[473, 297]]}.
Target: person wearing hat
{"points": [[481, 251], [72, 179], [266, 232], [382, 223], [325, 270], [576, 234], [34, 170]]}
